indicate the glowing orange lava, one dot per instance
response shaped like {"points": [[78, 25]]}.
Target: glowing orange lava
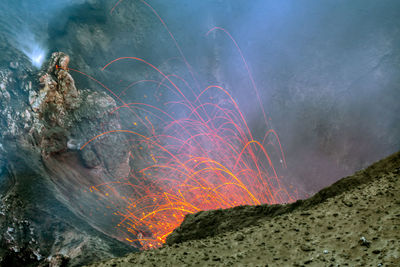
{"points": [[203, 158]]}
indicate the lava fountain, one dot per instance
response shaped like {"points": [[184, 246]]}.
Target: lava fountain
{"points": [[195, 153]]}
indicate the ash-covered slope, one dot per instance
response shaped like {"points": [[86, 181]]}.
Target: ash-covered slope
{"points": [[354, 222]]}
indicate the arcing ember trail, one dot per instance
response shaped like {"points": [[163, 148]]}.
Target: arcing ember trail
{"points": [[195, 153]]}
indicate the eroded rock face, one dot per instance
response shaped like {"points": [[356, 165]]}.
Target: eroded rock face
{"points": [[60, 95], [68, 117], [54, 102], [45, 119]]}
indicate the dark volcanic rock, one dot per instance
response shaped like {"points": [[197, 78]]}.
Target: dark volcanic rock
{"points": [[44, 214], [68, 116]]}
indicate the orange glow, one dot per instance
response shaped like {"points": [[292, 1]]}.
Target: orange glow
{"points": [[203, 158], [200, 162]]}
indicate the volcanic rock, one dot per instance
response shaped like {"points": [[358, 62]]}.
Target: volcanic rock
{"points": [[42, 206]]}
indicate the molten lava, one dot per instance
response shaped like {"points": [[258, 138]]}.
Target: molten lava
{"points": [[196, 153]]}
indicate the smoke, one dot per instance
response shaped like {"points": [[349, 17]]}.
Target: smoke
{"points": [[33, 49], [328, 75], [327, 72], [24, 25]]}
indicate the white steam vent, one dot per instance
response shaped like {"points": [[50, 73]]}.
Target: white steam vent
{"points": [[36, 54], [32, 48]]}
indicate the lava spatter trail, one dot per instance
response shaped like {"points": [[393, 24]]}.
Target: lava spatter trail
{"points": [[193, 153]]}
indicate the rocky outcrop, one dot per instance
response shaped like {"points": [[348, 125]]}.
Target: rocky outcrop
{"points": [[68, 116], [44, 212]]}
